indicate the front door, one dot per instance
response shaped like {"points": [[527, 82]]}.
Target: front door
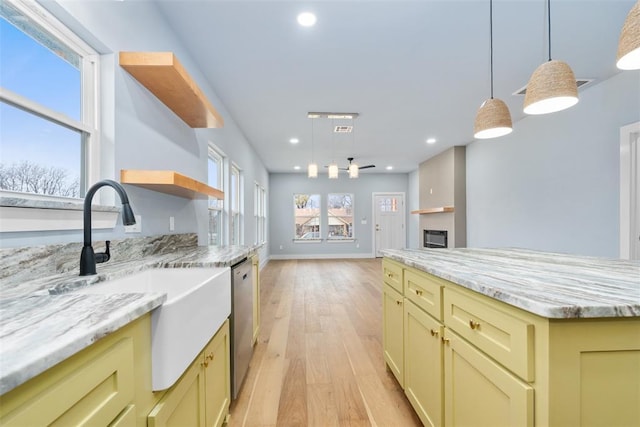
{"points": [[389, 217]]}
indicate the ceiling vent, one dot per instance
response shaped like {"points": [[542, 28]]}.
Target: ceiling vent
{"points": [[343, 129], [579, 82]]}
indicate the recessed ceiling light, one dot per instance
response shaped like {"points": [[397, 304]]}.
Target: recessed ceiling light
{"points": [[307, 19], [431, 140], [297, 168], [389, 168], [294, 140]]}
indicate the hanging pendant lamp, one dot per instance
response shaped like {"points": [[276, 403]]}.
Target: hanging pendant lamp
{"points": [[493, 118], [629, 45], [333, 171], [312, 169], [353, 170], [552, 86]]}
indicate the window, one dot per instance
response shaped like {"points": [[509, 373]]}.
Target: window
{"points": [[48, 104], [260, 213], [306, 208], [236, 206], [215, 168], [340, 216]]}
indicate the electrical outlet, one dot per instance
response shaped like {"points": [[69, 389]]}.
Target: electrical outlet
{"points": [[135, 228], [172, 223]]}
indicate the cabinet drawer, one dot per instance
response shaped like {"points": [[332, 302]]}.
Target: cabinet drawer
{"points": [[392, 274], [425, 291], [504, 337]]}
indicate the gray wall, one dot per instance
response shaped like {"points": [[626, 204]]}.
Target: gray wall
{"points": [[413, 203], [553, 184], [140, 132], [284, 185]]}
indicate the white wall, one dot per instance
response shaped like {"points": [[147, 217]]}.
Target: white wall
{"points": [[553, 183], [414, 237], [140, 132], [284, 185]]}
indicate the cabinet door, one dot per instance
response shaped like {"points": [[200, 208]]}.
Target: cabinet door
{"points": [[217, 378], [256, 297], [423, 364], [393, 335], [479, 392], [91, 393], [183, 404]]}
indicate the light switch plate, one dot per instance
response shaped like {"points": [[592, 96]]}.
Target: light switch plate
{"points": [[135, 228]]}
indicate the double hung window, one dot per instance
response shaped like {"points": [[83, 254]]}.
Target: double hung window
{"points": [[236, 206], [306, 208], [48, 104], [215, 168], [340, 216], [260, 212]]}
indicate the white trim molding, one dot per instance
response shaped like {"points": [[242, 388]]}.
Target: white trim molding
{"points": [[629, 170]]}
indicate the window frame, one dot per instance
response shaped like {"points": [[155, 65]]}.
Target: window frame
{"points": [[260, 212], [88, 125], [297, 239], [216, 205], [93, 152], [331, 238], [236, 206]]}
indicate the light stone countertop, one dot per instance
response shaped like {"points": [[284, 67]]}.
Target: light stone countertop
{"points": [[42, 323], [551, 285]]}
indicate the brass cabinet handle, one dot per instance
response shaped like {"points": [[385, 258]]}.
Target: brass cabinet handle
{"points": [[473, 324], [418, 292], [445, 340], [205, 364], [434, 333], [399, 302], [210, 356]]}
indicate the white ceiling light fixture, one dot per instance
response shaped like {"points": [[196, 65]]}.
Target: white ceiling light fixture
{"points": [[312, 169], [333, 171], [389, 168], [337, 116], [552, 86], [307, 19], [493, 118], [628, 57], [296, 167], [431, 140], [294, 140]]}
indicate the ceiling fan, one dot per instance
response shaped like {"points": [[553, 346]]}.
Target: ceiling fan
{"points": [[350, 159]]}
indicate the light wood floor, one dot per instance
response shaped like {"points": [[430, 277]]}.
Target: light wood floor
{"points": [[318, 360]]}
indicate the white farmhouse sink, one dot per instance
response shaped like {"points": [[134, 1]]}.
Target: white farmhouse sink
{"points": [[198, 302]]}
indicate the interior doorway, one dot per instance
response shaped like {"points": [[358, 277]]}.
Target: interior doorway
{"points": [[388, 222], [630, 191]]}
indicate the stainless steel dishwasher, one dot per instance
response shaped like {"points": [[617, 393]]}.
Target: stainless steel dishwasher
{"points": [[241, 323]]}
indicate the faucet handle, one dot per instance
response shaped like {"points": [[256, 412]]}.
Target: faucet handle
{"points": [[104, 256]]}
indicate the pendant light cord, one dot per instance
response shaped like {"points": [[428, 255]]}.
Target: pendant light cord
{"points": [[549, 26], [491, 42], [312, 120]]}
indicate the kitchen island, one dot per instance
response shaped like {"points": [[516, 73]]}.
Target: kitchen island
{"points": [[513, 337]]}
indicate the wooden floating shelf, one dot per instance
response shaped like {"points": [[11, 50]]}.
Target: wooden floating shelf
{"points": [[166, 78], [433, 210], [169, 182]]}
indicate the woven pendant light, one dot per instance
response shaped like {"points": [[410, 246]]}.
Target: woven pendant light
{"points": [[493, 118], [629, 44], [552, 86]]}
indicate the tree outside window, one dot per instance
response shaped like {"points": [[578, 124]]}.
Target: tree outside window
{"points": [[306, 211], [340, 216]]}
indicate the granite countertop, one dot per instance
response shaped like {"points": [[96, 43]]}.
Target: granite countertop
{"points": [[42, 322], [551, 285]]}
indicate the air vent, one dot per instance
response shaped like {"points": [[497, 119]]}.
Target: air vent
{"points": [[579, 82], [343, 129]]}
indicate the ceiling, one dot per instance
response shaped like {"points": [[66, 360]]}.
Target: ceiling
{"points": [[411, 69]]}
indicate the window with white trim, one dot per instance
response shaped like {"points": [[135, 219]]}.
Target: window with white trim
{"points": [[215, 167], [48, 104], [306, 213], [235, 215], [340, 216], [260, 212]]}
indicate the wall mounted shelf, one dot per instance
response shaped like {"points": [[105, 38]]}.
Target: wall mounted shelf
{"points": [[169, 182], [166, 78], [434, 210]]}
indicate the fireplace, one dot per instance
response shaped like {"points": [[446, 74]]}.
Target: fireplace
{"points": [[435, 238]]}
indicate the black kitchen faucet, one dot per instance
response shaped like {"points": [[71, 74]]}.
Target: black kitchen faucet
{"points": [[88, 258]]}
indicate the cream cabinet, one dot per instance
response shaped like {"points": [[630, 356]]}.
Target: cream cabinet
{"points": [[202, 395], [468, 359], [255, 262], [96, 386]]}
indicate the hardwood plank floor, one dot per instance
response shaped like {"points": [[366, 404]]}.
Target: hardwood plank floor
{"points": [[318, 360]]}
